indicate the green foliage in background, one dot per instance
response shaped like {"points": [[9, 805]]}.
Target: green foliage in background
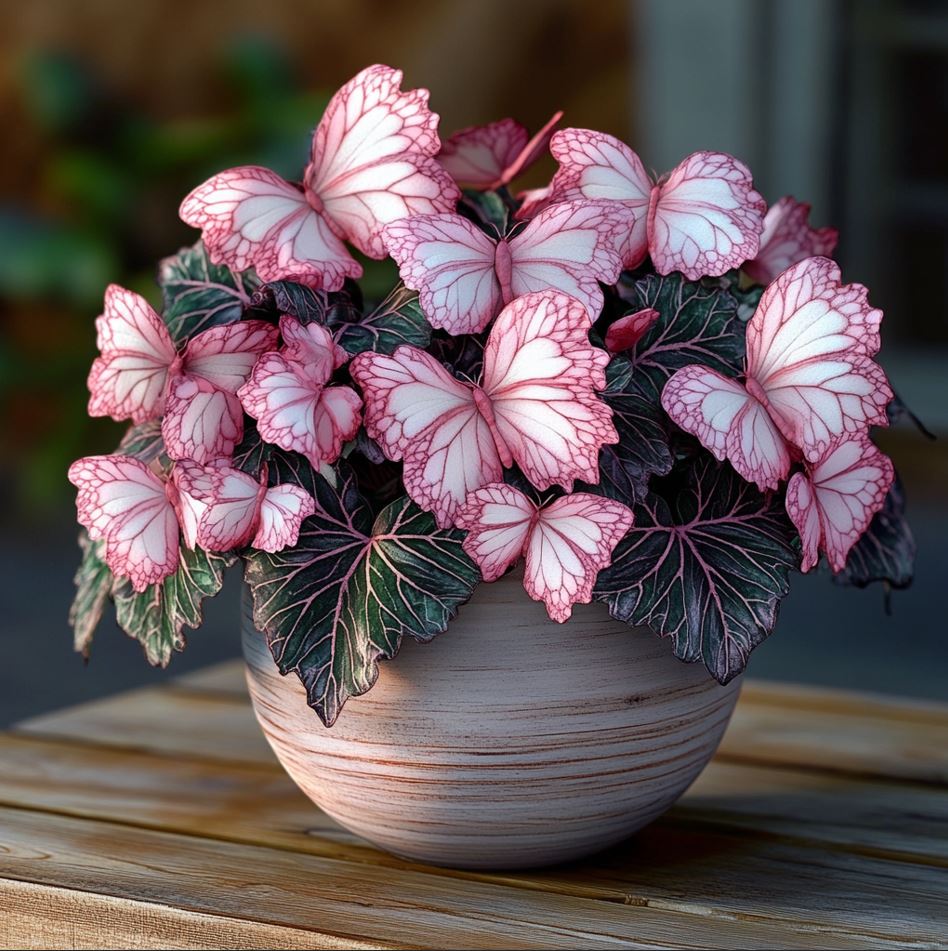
{"points": [[109, 187]]}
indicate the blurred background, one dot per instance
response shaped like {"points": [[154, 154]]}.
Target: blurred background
{"points": [[113, 111]]}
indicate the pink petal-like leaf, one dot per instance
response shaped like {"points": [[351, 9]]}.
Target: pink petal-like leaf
{"points": [[541, 376], [296, 411], [498, 519], [122, 501], [705, 217], [372, 159], [570, 247], [450, 262], [282, 512], [729, 422], [128, 381], [225, 355], [536, 406], [599, 167], [809, 356], [228, 504], [250, 217], [834, 502], [421, 414], [201, 423], [491, 156], [788, 238], [566, 543], [478, 156]]}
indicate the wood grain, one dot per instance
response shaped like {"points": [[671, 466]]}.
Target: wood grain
{"points": [[510, 741], [685, 862], [161, 819], [342, 901]]}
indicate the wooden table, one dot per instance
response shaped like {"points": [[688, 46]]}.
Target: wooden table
{"points": [[160, 818]]}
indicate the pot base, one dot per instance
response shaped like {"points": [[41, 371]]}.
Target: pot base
{"points": [[509, 741]]}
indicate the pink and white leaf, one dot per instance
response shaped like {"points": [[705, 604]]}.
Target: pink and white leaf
{"points": [[202, 423], [788, 238], [834, 502], [124, 502], [599, 167], [231, 504], [705, 217], [225, 355], [478, 156], [570, 247], [313, 345], [128, 380], [297, 412], [541, 377], [566, 543], [451, 263], [282, 511], [498, 519], [491, 156], [422, 415], [250, 217], [729, 422], [809, 355], [371, 160], [572, 541]]}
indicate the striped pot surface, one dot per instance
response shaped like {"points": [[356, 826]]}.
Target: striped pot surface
{"points": [[508, 741]]}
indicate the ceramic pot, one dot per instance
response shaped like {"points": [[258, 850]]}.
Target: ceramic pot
{"points": [[508, 741]]}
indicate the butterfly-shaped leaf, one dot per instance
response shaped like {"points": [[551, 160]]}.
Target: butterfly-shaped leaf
{"points": [[706, 567], [93, 582], [346, 594], [198, 295], [886, 552], [156, 617], [697, 324]]}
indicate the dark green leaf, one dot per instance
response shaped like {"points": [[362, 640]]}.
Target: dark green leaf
{"points": [[642, 450], [396, 321], [297, 300], [156, 617], [251, 452], [898, 411], [93, 582], [886, 552], [707, 569], [486, 209], [698, 324], [198, 295], [344, 597]]}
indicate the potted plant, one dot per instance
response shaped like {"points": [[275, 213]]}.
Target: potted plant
{"points": [[655, 395]]}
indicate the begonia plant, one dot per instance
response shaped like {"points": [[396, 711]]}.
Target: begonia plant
{"points": [[656, 392]]}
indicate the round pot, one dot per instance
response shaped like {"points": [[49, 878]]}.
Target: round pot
{"points": [[508, 741]]}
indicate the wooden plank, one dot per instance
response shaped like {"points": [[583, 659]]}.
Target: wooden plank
{"points": [[348, 900], [839, 731], [684, 864], [38, 916], [242, 802], [162, 720], [774, 724]]}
